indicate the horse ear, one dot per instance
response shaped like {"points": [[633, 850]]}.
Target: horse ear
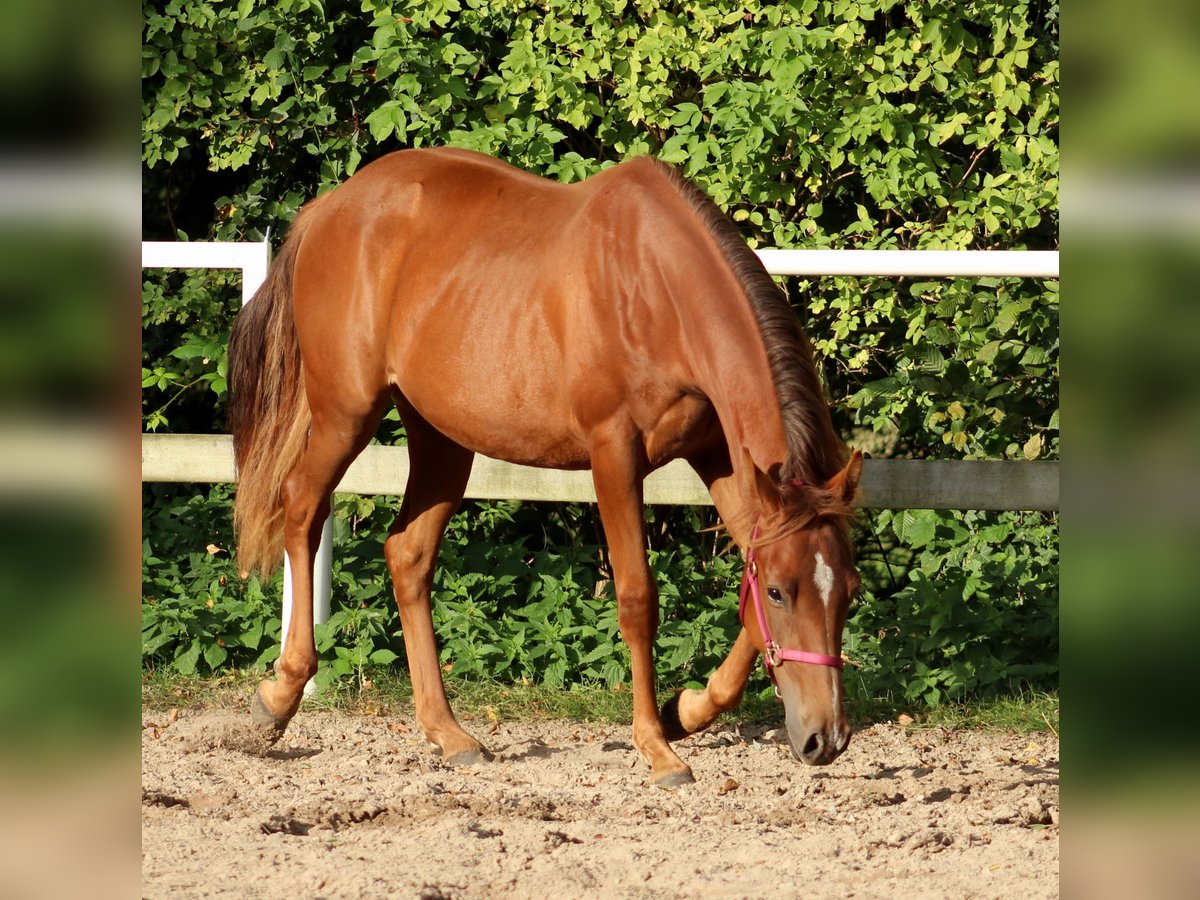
{"points": [[757, 487], [845, 483]]}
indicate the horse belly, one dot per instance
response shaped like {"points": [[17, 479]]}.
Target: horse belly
{"points": [[497, 410], [515, 442]]}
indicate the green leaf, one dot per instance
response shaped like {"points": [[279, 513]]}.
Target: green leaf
{"points": [[920, 527], [987, 353], [929, 359], [382, 122], [1035, 356], [937, 333], [1007, 318], [185, 662], [674, 150], [214, 656]]}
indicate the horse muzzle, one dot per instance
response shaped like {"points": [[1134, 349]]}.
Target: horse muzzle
{"points": [[819, 747]]}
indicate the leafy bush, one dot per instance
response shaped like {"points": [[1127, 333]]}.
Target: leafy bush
{"points": [[521, 592], [976, 611], [816, 123], [197, 614]]}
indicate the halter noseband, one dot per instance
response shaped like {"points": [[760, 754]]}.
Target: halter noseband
{"points": [[773, 654]]}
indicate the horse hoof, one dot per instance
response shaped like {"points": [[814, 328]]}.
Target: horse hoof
{"points": [[271, 726], [467, 758], [673, 729], [675, 779]]}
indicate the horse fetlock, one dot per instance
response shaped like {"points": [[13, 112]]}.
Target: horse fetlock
{"points": [[666, 768], [686, 713], [672, 724], [296, 671], [696, 710]]}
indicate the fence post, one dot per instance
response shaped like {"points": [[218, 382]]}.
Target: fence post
{"points": [[321, 586]]}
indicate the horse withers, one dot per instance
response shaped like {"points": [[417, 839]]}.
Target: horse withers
{"points": [[612, 325]]}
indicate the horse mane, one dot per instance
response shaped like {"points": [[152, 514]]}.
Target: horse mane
{"points": [[815, 452]]}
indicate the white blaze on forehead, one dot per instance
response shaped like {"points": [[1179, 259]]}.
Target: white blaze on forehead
{"points": [[823, 578]]}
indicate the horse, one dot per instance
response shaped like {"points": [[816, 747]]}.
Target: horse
{"points": [[613, 324]]}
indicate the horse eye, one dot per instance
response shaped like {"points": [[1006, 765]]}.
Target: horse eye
{"points": [[774, 595]]}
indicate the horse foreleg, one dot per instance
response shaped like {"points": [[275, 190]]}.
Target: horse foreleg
{"points": [[619, 493], [437, 479], [690, 711]]}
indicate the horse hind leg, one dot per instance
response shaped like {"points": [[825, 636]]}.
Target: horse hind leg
{"points": [[438, 475], [334, 439]]}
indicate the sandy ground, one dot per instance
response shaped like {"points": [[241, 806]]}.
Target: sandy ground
{"points": [[360, 806]]}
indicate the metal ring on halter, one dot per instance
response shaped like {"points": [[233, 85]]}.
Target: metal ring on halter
{"points": [[771, 655]]}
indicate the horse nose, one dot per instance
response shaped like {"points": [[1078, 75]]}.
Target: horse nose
{"points": [[820, 749], [814, 750]]}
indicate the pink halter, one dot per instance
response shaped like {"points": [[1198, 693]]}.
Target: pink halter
{"points": [[773, 654]]}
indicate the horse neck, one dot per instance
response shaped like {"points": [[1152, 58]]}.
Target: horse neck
{"points": [[730, 363]]}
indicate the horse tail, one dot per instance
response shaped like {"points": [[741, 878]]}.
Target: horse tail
{"points": [[268, 410]]}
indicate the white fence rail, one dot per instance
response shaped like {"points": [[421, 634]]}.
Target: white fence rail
{"points": [[920, 263], [898, 484], [252, 258]]}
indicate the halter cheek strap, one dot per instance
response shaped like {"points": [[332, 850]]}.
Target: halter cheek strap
{"points": [[773, 654]]}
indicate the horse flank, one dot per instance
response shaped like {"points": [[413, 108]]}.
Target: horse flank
{"points": [[815, 452]]}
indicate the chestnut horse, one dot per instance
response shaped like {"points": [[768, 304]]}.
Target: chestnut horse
{"points": [[614, 324]]}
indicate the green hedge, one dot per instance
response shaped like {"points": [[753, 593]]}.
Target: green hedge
{"points": [[841, 124]]}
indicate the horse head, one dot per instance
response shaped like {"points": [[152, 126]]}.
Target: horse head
{"points": [[800, 578]]}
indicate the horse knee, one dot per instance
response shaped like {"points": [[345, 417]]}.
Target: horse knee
{"points": [[411, 565], [404, 554]]}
